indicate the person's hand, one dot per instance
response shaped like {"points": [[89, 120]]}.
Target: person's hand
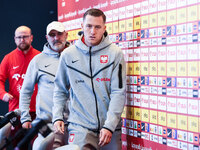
{"points": [[104, 137], [59, 127], [26, 125], [7, 97]]}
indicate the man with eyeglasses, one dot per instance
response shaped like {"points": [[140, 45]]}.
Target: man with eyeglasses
{"points": [[13, 67], [42, 70]]}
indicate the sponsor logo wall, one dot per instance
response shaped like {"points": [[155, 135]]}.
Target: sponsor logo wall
{"points": [[161, 44]]}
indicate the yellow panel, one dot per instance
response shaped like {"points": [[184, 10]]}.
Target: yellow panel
{"points": [[137, 114], [181, 69], [171, 69], [136, 23], [69, 38], [76, 33], [162, 19], [171, 17], [199, 68], [122, 26], [171, 120], [109, 27], [130, 112], [115, 27], [162, 69], [145, 115], [144, 69], [127, 112], [182, 122], [193, 124], [153, 68], [199, 124], [129, 69], [144, 22], [162, 118], [199, 11], [72, 34], [124, 112], [129, 25], [153, 117], [181, 15], [193, 68], [192, 13], [153, 20], [136, 67]]}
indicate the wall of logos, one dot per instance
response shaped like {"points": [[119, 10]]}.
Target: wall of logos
{"points": [[161, 44]]}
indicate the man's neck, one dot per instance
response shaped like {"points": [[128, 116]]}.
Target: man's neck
{"points": [[25, 51]]}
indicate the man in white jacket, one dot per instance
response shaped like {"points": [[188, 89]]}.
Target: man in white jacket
{"points": [[41, 71]]}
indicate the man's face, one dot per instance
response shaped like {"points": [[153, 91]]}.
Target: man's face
{"points": [[93, 28], [23, 39], [57, 40]]}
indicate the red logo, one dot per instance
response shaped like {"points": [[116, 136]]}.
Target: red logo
{"points": [[71, 137], [104, 59], [102, 79]]}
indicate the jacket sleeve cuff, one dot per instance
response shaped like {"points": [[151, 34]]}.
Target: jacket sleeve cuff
{"points": [[108, 129], [26, 121], [58, 120]]}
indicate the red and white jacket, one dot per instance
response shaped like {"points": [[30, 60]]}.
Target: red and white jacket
{"points": [[13, 67]]}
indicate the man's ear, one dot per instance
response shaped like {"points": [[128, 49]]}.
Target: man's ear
{"points": [[31, 38], [46, 37]]}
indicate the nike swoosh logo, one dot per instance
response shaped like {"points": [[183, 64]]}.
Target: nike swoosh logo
{"points": [[47, 65], [142, 81], [168, 82], [142, 34], [74, 61], [169, 133], [15, 67], [168, 31]]}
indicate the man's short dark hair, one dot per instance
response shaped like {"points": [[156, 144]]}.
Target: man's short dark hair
{"points": [[96, 13]]}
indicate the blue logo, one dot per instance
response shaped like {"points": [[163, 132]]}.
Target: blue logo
{"points": [[164, 141], [142, 34], [195, 93], [195, 38], [169, 82], [164, 41], [169, 31], [164, 91], [163, 31], [120, 36], [169, 133], [143, 126], [142, 80]]}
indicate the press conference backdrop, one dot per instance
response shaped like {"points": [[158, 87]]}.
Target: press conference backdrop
{"points": [[161, 44], [33, 13]]}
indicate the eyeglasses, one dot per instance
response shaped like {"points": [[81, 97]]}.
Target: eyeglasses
{"points": [[25, 37]]}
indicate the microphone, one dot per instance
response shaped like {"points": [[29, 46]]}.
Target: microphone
{"points": [[41, 127], [11, 117], [19, 135], [1, 117]]}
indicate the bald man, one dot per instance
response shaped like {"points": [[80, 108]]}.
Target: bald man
{"points": [[13, 68]]}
